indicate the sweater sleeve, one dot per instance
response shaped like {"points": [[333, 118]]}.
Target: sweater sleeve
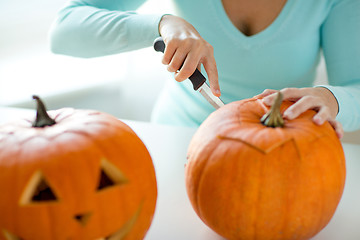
{"points": [[341, 46], [93, 28]]}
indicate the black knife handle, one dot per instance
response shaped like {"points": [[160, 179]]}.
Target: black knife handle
{"points": [[197, 79]]}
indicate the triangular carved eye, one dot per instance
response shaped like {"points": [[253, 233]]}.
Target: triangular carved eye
{"points": [[10, 236], [38, 190], [110, 175]]}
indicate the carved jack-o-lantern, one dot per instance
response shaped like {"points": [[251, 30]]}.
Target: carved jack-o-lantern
{"points": [[88, 176]]}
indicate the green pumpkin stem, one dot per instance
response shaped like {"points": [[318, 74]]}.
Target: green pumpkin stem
{"points": [[273, 117], [42, 117]]}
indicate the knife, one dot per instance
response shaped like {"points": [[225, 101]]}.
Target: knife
{"points": [[197, 79]]}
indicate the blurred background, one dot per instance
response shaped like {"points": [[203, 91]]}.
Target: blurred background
{"points": [[125, 85]]}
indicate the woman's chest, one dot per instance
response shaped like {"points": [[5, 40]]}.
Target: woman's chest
{"points": [[252, 16], [286, 50]]}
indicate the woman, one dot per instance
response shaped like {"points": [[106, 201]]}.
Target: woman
{"points": [[244, 46]]}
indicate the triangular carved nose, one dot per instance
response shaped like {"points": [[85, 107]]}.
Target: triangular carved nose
{"points": [[83, 218]]}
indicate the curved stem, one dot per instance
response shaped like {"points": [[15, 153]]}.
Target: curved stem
{"points": [[273, 117], [42, 117]]}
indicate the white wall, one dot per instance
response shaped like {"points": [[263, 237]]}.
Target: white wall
{"points": [[119, 84]]}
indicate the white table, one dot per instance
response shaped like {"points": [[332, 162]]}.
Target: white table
{"points": [[174, 217]]}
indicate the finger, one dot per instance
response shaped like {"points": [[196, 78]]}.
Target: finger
{"points": [[177, 61], [338, 128], [168, 53], [265, 93], [188, 68], [212, 72], [291, 94], [303, 104], [270, 96], [322, 115]]}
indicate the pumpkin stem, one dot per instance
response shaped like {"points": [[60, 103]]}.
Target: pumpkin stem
{"points": [[273, 117], [42, 117]]}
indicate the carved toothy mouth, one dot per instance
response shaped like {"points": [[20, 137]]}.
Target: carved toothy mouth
{"points": [[10, 236], [118, 235], [122, 232]]}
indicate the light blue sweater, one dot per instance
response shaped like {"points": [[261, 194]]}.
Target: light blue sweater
{"points": [[285, 54]]}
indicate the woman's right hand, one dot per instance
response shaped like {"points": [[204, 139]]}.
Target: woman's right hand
{"points": [[187, 50]]}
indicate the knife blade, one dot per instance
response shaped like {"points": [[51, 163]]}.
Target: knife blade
{"points": [[197, 79]]}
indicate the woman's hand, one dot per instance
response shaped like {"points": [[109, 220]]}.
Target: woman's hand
{"points": [[187, 50], [318, 98]]}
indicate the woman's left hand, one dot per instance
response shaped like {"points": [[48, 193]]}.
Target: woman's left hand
{"points": [[319, 99]]}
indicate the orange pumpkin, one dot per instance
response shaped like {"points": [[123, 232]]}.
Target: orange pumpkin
{"points": [[82, 175], [246, 180]]}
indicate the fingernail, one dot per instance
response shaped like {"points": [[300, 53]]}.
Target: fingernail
{"points": [[288, 114], [340, 135], [217, 92], [318, 120], [170, 69]]}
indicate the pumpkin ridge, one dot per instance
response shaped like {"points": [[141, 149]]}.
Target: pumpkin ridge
{"points": [[85, 133], [51, 137], [31, 138], [321, 219], [60, 118], [209, 153], [287, 205], [9, 133], [321, 208], [42, 136], [285, 197], [309, 143], [255, 223], [321, 222], [90, 138], [61, 115], [34, 133], [244, 102]]}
